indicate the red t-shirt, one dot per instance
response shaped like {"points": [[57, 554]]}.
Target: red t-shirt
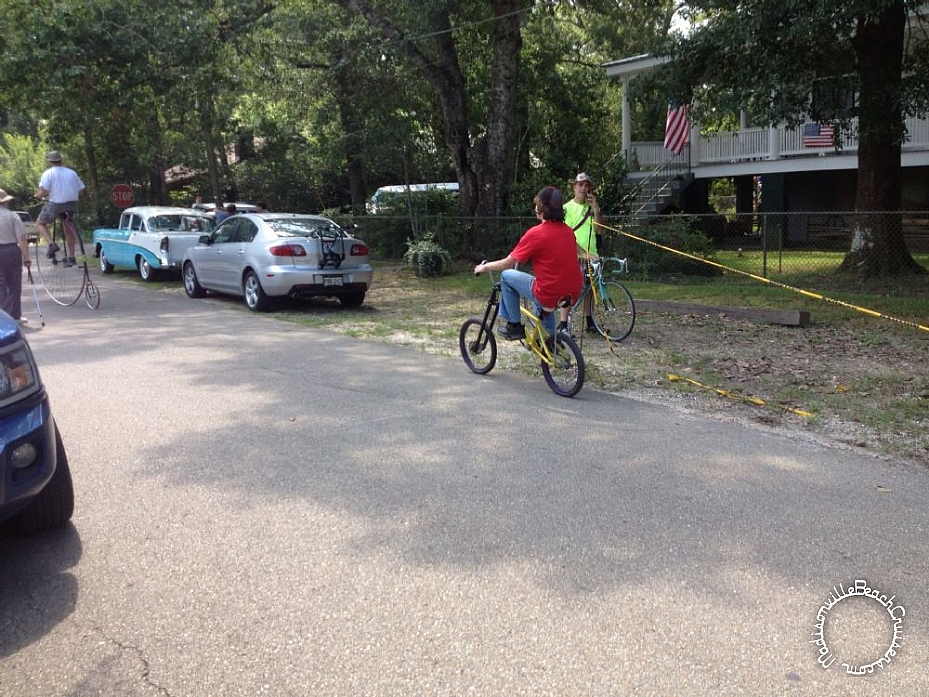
{"points": [[551, 248]]}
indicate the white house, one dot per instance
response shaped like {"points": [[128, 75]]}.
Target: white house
{"points": [[799, 174]]}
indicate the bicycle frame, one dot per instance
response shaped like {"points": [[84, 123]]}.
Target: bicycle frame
{"points": [[62, 281], [593, 279], [559, 356], [535, 339]]}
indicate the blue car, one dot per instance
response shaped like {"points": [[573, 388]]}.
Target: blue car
{"points": [[36, 493]]}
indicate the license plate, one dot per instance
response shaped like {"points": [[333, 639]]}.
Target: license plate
{"points": [[332, 280]]}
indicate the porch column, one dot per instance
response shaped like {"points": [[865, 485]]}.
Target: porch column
{"points": [[694, 143], [627, 122], [774, 143]]}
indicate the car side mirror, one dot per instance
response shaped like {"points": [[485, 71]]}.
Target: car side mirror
{"points": [[203, 239]]}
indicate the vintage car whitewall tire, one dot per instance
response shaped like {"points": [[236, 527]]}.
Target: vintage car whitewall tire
{"points": [[145, 270], [105, 266]]}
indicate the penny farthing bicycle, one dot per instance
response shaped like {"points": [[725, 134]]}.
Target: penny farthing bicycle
{"points": [[62, 264]]}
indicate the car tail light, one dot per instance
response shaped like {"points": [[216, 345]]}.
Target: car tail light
{"points": [[359, 250], [164, 244], [287, 250]]}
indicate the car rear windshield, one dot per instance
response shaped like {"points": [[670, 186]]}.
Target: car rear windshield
{"points": [[181, 222], [289, 227]]}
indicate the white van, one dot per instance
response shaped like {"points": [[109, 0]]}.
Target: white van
{"points": [[394, 195]]}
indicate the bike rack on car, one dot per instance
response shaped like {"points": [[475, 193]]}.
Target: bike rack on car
{"points": [[332, 250]]}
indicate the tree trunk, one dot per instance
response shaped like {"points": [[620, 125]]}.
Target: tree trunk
{"points": [[482, 168], [493, 163], [209, 146], [878, 247], [93, 177], [345, 89]]}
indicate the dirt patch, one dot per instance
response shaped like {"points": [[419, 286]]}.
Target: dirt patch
{"points": [[863, 385]]}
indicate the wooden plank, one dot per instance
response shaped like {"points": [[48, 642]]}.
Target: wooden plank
{"points": [[789, 318]]}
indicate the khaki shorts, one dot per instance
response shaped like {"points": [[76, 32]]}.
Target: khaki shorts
{"points": [[50, 210]]}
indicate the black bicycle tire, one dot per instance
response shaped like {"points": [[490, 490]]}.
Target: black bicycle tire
{"points": [[472, 332], [63, 284], [566, 349], [91, 293], [614, 307]]}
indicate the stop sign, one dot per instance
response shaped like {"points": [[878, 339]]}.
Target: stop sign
{"points": [[121, 196]]}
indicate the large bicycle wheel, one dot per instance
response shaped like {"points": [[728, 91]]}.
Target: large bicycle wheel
{"points": [[614, 311], [566, 374], [478, 346], [61, 275]]}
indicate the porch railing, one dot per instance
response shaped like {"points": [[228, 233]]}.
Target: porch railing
{"points": [[765, 144]]}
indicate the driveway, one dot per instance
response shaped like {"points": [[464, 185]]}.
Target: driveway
{"points": [[264, 508]]}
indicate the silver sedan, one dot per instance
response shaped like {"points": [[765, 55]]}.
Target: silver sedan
{"points": [[263, 256]]}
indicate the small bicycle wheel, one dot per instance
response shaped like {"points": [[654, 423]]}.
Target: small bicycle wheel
{"points": [[614, 311], [92, 295], [566, 373], [62, 277], [478, 346]]}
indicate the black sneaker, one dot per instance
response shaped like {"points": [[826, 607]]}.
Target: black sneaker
{"points": [[563, 328], [512, 331], [70, 261], [52, 248], [591, 327]]}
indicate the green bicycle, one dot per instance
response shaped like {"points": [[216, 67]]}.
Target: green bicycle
{"points": [[559, 357], [611, 305]]}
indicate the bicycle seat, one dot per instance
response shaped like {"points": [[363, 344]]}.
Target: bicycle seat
{"points": [[566, 301]]}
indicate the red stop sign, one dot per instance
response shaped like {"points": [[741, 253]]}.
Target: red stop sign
{"points": [[121, 196]]}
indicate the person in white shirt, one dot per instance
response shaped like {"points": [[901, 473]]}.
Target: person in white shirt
{"points": [[14, 255], [62, 188]]}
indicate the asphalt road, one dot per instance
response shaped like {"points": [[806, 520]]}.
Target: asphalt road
{"points": [[266, 509]]}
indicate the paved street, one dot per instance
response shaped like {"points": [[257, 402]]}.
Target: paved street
{"points": [[266, 509]]}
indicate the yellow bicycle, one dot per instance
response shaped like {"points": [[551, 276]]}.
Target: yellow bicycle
{"points": [[560, 357]]}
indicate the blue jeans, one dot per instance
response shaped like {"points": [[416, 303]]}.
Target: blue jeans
{"points": [[513, 285]]}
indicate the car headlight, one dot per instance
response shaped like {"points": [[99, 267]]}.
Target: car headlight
{"points": [[18, 374]]}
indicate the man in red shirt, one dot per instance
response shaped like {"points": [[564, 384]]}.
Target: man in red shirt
{"points": [[551, 248]]}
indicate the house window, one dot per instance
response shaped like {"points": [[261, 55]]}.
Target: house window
{"points": [[833, 98]]}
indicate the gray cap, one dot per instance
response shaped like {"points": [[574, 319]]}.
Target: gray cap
{"points": [[53, 156]]}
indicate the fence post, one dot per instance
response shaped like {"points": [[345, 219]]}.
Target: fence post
{"points": [[764, 245]]}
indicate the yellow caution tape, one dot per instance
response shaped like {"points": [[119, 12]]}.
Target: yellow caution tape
{"points": [[801, 291], [757, 401]]}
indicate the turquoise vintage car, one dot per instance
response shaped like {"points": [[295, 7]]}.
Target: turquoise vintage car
{"points": [[150, 239]]}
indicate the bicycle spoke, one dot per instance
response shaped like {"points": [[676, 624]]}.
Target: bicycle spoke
{"points": [[614, 311], [63, 279], [91, 294], [62, 268], [565, 374]]}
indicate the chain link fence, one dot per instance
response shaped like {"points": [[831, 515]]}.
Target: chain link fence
{"points": [[765, 244]]}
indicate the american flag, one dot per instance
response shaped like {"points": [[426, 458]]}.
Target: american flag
{"points": [[677, 127], [818, 135]]}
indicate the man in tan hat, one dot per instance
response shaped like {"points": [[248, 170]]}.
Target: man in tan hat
{"points": [[582, 214], [14, 254], [62, 187]]}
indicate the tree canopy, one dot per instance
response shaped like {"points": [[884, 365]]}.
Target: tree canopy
{"points": [[313, 104], [861, 65]]}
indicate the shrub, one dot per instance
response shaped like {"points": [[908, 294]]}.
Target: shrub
{"points": [[678, 233], [426, 257]]}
